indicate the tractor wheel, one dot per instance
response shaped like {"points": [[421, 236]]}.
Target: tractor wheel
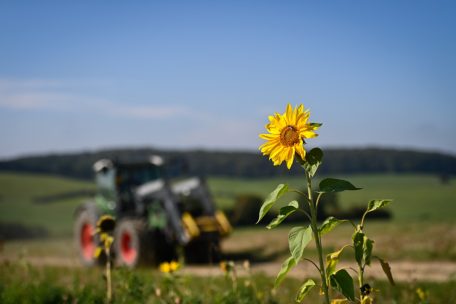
{"points": [[85, 240], [133, 245]]}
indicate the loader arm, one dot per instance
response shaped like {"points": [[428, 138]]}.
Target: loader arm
{"points": [[196, 188], [161, 191]]}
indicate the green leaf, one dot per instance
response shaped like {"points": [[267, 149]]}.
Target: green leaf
{"points": [[313, 160], [286, 267], [343, 282], [284, 212], [331, 261], [358, 242], [367, 250], [335, 185], [386, 269], [376, 204], [304, 290], [271, 199], [298, 238], [315, 124], [329, 224]]}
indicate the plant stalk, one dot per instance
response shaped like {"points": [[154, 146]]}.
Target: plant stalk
{"points": [[108, 278], [361, 280], [313, 223]]}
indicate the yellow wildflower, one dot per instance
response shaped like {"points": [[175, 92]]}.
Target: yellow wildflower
{"points": [[223, 266], [173, 265], [169, 267], [287, 134], [164, 267]]}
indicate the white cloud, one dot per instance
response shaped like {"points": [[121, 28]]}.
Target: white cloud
{"points": [[30, 94], [34, 100], [208, 128], [35, 94]]}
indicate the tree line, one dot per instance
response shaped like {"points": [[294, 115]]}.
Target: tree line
{"points": [[247, 164]]}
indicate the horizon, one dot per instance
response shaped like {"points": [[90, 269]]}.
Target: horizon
{"points": [[222, 150], [88, 76]]}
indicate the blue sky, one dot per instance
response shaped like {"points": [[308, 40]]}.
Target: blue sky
{"points": [[85, 75]]}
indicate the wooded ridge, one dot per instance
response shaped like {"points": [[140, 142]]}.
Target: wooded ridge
{"points": [[249, 164]]}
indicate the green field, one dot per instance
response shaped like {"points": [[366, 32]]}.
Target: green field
{"points": [[17, 205], [416, 197], [422, 230]]}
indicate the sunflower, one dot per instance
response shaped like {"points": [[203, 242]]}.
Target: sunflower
{"points": [[287, 134], [105, 224]]}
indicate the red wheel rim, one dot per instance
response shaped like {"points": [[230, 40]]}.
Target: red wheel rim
{"points": [[126, 249], [87, 242]]}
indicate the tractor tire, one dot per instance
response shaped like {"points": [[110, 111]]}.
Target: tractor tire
{"points": [[133, 244], [85, 240]]}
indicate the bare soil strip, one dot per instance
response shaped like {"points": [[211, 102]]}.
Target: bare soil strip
{"points": [[403, 271]]}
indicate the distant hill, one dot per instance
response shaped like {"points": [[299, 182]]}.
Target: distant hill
{"points": [[243, 163]]}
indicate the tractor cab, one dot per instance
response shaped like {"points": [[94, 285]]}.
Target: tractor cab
{"points": [[116, 182]]}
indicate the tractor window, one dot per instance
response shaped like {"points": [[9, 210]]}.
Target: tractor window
{"points": [[105, 184], [136, 176], [191, 205]]}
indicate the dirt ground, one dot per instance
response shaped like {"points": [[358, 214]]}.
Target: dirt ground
{"points": [[417, 255], [403, 271]]}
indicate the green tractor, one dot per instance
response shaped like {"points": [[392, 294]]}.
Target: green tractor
{"points": [[156, 218]]}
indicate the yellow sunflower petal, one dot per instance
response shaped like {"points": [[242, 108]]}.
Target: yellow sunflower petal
{"points": [[288, 115], [277, 158], [300, 150], [290, 157], [302, 120], [269, 136], [267, 150], [296, 113], [277, 152], [272, 128], [308, 134]]}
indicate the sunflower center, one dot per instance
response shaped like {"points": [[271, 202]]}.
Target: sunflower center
{"points": [[289, 136]]}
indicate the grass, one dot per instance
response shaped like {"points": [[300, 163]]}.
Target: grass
{"points": [[422, 229], [416, 197], [17, 195], [78, 285], [411, 241]]}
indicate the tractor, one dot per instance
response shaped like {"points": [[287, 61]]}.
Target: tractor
{"points": [[158, 218]]}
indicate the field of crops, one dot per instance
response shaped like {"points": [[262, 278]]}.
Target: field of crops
{"points": [[422, 233]]}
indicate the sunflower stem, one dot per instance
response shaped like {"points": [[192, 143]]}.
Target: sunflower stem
{"points": [[316, 233], [108, 277], [361, 279]]}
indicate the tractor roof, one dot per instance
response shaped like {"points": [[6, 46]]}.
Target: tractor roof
{"points": [[106, 164]]}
